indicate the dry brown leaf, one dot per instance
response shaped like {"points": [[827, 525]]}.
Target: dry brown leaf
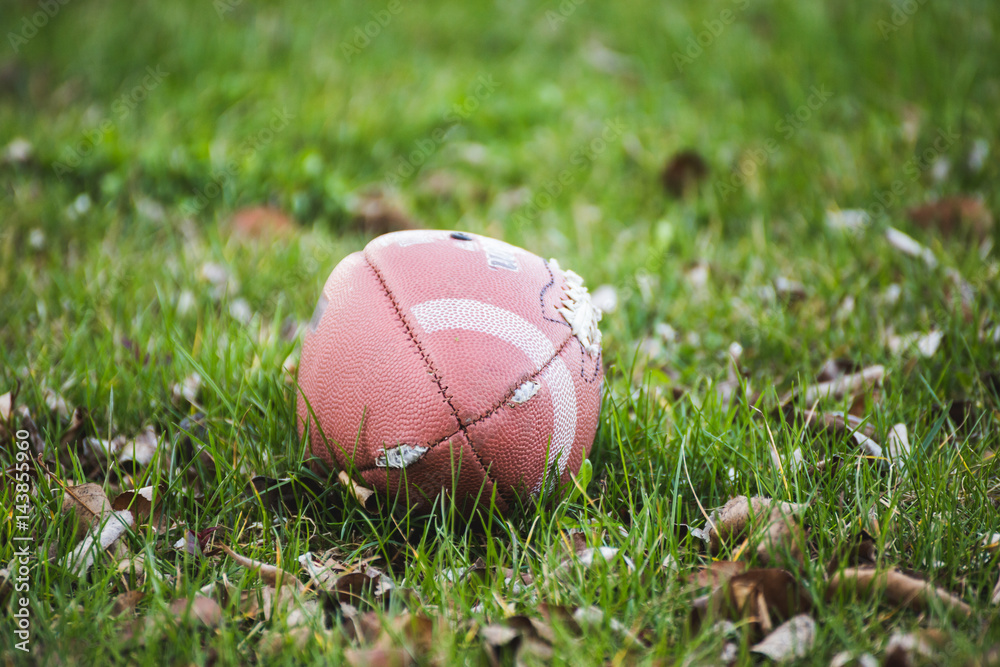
{"points": [[683, 172], [261, 223], [140, 450], [366, 497], [200, 608], [902, 648], [270, 574], [275, 643], [899, 589], [378, 657], [852, 384], [561, 615], [832, 423], [77, 426], [90, 503], [779, 591], [779, 522], [501, 643], [859, 551], [323, 571], [762, 597], [354, 587], [146, 505], [791, 640], [363, 628], [376, 214], [952, 215], [127, 601], [716, 574]]}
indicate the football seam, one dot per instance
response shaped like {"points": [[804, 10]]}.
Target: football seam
{"points": [[541, 296], [525, 378], [500, 405], [434, 373]]}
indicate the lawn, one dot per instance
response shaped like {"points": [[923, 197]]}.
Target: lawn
{"points": [[764, 195]]}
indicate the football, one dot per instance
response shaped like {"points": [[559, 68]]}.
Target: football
{"points": [[442, 362]]}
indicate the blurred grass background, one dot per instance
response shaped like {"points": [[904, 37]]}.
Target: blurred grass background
{"points": [[147, 124]]}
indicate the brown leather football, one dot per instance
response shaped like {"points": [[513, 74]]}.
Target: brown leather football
{"points": [[446, 362]]}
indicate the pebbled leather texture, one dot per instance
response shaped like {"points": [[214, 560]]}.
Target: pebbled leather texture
{"points": [[452, 342]]}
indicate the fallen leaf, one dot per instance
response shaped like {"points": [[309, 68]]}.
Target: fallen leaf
{"points": [[898, 445], [925, 345], [716, 573], [838, 388], [779, 523], [859, 551], [683, 172], [103, 535], [127, 601], [77, 426], [848, 659], [55, 402], [378, 657], [89, 502], [854, 220], [376, 214], [591, 556], [954, 215], [146, 505], [200, 608], [902, 648], [366, 497], [276, 643], [260, 223], [835, 423], [270, 574], [791, 640], [6, 406], [186, 390], [188, 543], [761, 597], [501, 643], [899, 589], [910, 246], [788, 290]]}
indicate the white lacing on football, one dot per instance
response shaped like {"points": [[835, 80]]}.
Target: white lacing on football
{"points": [[578, 310], [400, 457]]}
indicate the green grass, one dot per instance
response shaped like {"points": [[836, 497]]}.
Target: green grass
{"points": [[261, 105]]}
